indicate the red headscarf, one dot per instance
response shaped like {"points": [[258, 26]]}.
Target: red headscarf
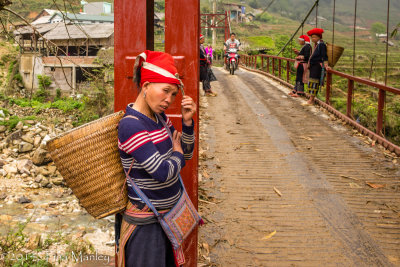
{"points": [[305, 38], [316, 31], [156, 67], [201, 36]]}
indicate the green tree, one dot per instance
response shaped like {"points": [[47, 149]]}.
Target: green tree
{"points": [[254, 4], [395, 31], [377, 28]]}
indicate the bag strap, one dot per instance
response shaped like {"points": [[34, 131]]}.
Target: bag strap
{"points": [[137, 190], [142, 196]]}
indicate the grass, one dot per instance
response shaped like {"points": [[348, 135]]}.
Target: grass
{"points": [[260, 41], [12, 122], [82, 109]]}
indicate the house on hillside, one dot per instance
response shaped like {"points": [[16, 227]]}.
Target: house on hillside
{"points": [[64, 52], [80, 18], [235, 11]]}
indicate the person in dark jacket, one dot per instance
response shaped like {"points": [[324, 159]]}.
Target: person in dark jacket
{"points": [[204, 71], [302, 65], [318, 63]]}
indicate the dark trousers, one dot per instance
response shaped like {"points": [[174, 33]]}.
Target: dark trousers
{"points": [[204, 78], [299, 86], [149, 246]]}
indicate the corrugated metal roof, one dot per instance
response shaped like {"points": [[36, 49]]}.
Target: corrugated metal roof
{"points": [[74, 31], [42, 20], [50, 11], [42, 28], [85, 17]]}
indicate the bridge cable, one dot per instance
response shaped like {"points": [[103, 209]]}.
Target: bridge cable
{"points": [[316, 16], [333, 29], [354, 34], [354, 52], [301, 25], [386, 66]]}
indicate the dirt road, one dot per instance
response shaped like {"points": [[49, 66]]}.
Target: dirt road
{"points": [[287, 185]]}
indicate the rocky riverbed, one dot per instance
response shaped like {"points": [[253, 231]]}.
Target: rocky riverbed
{"points": [[40, 218]]}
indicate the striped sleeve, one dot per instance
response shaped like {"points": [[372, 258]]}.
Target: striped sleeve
{"points": [[187, 141], [188, 137], [135, 140]]}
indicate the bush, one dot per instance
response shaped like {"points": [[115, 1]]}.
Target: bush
{"points": [[58, 93], [17, 77], [42, 93], [254, 4], [266, 18]]}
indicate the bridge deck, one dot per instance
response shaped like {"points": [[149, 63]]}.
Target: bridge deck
{"points": [[255, 139]]}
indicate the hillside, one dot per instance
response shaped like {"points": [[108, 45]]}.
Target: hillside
{"points": [[368, 11], [30, 8]]}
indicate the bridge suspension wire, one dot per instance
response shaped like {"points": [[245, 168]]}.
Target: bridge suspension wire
{"points": [[301, 25], [265, 9], [333, 24], [386, 66], [316, 16], [354, 52], [354, 34], [333, 29], [387, 41]]}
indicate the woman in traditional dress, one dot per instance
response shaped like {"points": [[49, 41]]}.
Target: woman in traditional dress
{"points": [[318, 63], [152, 160], [209, 51], [302, 66], [204, 69]]}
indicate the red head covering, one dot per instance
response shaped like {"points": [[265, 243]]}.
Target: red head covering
{"points": [[156, 67], [201, 36], [316, 31], [305, 38]]}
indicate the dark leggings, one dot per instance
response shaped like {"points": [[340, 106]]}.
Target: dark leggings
{"points": [[149, 246]]}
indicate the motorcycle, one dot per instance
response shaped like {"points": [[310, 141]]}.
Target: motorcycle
{"points": [[232, 60]]}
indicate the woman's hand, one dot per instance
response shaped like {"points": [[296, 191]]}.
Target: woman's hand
{"points": [[176, 142], [188, 110]]}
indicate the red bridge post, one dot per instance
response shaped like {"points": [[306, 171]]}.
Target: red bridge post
{"points": [[381, 107], [328, 87], [350, 87], [134, 33]]}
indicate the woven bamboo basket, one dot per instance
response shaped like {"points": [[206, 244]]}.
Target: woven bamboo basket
{"points": [[88, 159], [334, 53]]}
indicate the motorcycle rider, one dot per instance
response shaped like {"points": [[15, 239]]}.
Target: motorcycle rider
{"points": [[232, 42]]}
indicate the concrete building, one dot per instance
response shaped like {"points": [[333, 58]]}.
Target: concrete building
{"points": [[64, 52], [80, 18], [97, 8]]}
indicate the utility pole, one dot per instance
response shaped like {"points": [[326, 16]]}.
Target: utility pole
{"points": [[214, 31]]}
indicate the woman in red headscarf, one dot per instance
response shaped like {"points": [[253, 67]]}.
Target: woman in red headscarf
{"points": [[302, 67], [318, 63], [152, 160]]}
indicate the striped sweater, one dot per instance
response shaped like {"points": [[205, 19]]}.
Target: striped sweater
{"points": [[156, 166]]}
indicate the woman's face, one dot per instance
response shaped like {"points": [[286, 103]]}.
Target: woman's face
{"points": [[315, 38], [301, 42], [159, 96]]}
